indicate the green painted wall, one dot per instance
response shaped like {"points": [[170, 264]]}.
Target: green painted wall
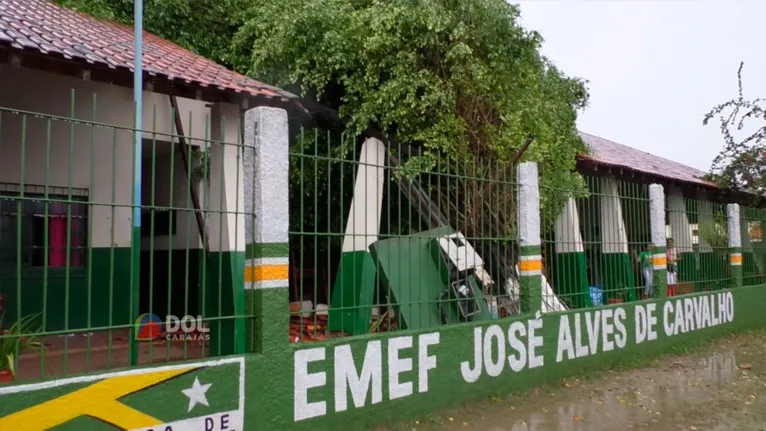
{"points": [[570, 278], [712, 271], [434, 367], [107, 280], [108, 268], [687, 267], [617, 274], [353, 294], [749, 269], [267, 322], [219, 303]]}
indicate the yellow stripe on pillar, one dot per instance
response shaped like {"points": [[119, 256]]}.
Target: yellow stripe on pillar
{"points": [[531, 265], [266, 273]]}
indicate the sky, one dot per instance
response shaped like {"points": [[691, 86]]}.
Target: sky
{"points": [[655, 67]]}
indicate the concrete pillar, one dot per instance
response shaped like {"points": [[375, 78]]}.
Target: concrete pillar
{"points": [[354, 290], [657, 229], [735, 244], [570, 273], [267, 194], [222, 287], [617, 266], [530, 260]]}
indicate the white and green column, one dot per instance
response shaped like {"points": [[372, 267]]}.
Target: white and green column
{"points": [[617, 266], [681, 232], [222, 291], [657, 228], [530, 258], [735, 244], [266, 166], [354, 290], [570, 273]]}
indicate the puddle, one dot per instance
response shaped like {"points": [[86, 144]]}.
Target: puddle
{"points": [[707, 391]]}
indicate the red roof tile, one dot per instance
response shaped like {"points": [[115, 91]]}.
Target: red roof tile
{"points": [[51, 29], [606, 152]]}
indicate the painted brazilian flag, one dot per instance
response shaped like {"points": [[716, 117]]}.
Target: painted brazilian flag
{"points": [[204, 396]]}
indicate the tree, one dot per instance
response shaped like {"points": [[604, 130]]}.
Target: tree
{"points": [[741, 164], [460, 79]]}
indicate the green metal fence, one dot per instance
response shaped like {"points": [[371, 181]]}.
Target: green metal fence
{"points": [[371, 228], [382, 237], [600, 249], [73, 296], [698, 232], [753, 247], [593, 250]]}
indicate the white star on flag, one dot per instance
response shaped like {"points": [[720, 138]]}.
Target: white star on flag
{"points": [[196, 394]]}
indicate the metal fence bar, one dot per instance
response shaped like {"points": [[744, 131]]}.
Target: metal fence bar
{"points": [[67, 271], [354, 274], [345, 235]]}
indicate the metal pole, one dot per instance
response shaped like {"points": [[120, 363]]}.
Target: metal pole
{"points": [[136, 237]]}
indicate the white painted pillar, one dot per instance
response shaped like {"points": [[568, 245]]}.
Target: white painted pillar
{"points": [[363, 223], [614, 238], [354, 289], [659, 239], [680, 230], [267, 196], [570, 267], [530, 261], [568, 237]]}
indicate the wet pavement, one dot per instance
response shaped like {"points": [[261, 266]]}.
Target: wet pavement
{"points": [[722, 387]]}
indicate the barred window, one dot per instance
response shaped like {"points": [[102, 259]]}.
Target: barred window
{"points": [[36, 230]]}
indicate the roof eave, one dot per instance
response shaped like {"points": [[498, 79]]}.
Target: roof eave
{"points": [[722, 194], [123, 76], [587, 160]]}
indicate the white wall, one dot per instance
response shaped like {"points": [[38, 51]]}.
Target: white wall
{"points": [[105, 170], [225, 193]]}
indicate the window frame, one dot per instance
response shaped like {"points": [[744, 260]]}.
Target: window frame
{"points": [[44, 198]]}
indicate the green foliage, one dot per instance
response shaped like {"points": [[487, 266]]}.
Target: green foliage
{"points": [[322, 185], [21, 336], [205, 27], [459, 78], [741, 164], [715, 233]]}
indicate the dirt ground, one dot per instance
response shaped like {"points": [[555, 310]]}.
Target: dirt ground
{"points": [[719, 387]]}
